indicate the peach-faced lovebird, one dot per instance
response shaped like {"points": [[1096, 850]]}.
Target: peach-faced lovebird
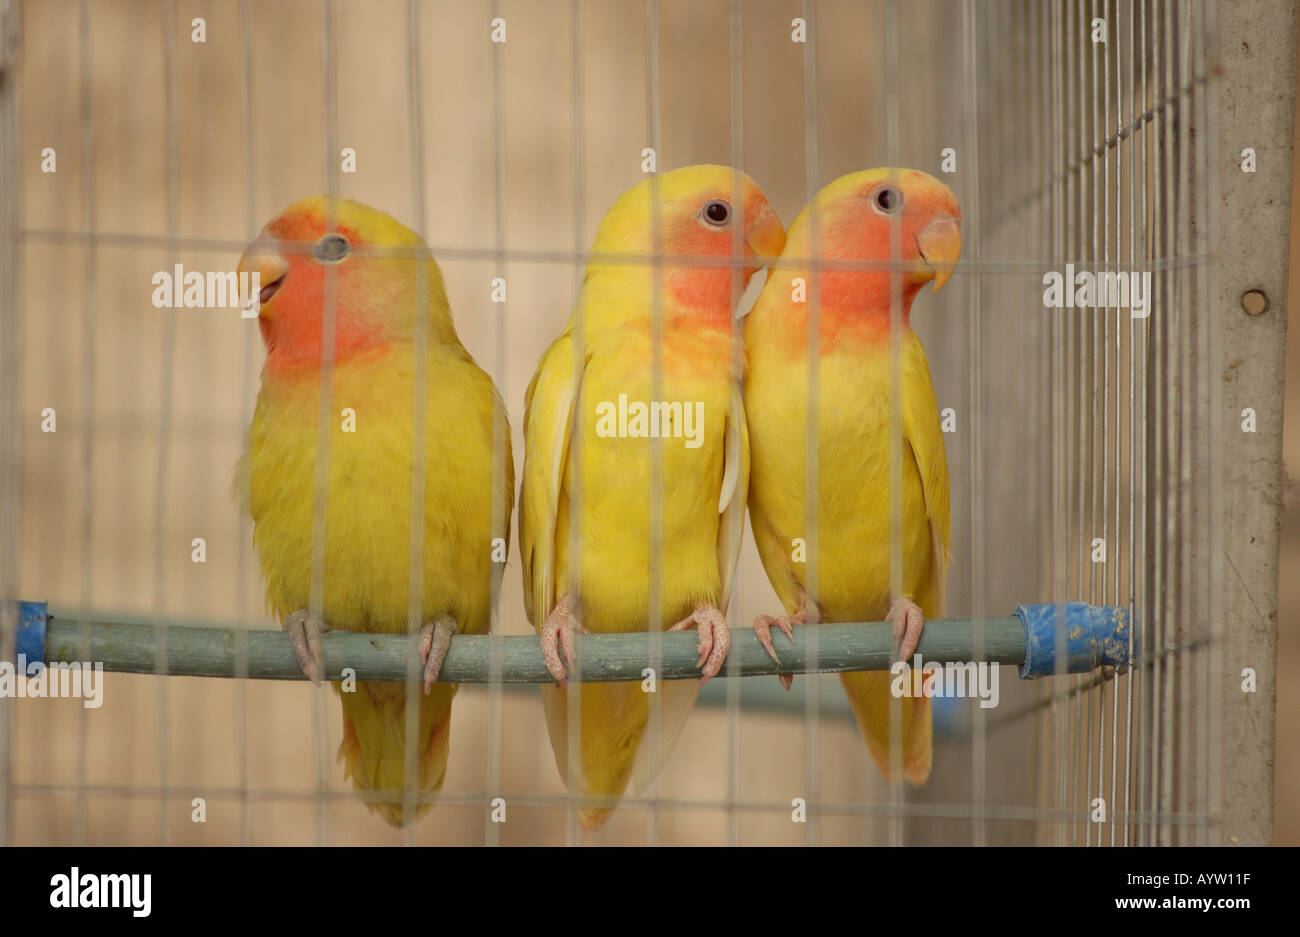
{"points": [[595, 383], [854, 216], [382, 281]]}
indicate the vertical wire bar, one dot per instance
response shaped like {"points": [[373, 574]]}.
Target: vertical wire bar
{"points": [[1068, 143], [1199, 691], [812, 498], [1088, 390], [1027, 83], [88, 345], [971, 143], [162, 464], [1052, 155], [1114, 568], [1138, 367], [500, 442], [1209, 190], [1040, 77], [1139, 351], [573, 695], [329, 319], [1101, 355], [11, 367], [1038, 179], [1168, 349], [1156, 339], [1158, 460], [1051, 115], [1173, 529], [1060, 522], [1168, 104], [415, 610], [736, 62], [1185, 624], [1079, 776], [656, 571], [1203, 441], [1090, 404], [1176, 528], [243, 825], [1134, 111], [1148, 419], [1005, 235], [896, 325]]}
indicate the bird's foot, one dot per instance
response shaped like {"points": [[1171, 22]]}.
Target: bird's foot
{"points": [[435, 639], [763, 631], [908, 621], [558, 631], [807, 614], [304, 630], [715, 638]]}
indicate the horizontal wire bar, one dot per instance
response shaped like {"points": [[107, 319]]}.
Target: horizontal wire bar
{"points": [[628, 801], [210, 652], [570, 257]]}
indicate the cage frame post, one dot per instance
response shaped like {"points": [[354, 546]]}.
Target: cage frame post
{"points": [[1255, 51]]}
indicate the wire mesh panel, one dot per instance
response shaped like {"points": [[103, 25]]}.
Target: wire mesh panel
{"points": [[1095, 172], [1077, 359]]}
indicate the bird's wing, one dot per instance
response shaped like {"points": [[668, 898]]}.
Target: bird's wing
{"points": [[731, 498], [921, 430], [548, 419]]}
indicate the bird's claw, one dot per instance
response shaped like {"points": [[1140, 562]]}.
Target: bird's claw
{"points": [[715, 639], [435, 640], [304, 630], [908, 621], [763, 632], [558, 632]]}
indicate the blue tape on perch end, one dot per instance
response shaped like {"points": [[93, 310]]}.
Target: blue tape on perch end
{"points": [[1095, 636], [31, 632]]}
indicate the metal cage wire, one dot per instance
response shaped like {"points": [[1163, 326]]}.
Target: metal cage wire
{"points": [[1076, 426]]}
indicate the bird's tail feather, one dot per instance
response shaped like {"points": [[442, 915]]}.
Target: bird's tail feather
{"points": [[869, 695], [373, 749], [613, 720]]}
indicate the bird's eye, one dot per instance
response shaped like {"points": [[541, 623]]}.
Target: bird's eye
{"points": [[887, 199], [332, 248], [717, 212]]}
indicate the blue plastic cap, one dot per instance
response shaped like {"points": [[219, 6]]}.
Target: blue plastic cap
{"points": [[31, 632], [1094, 636]]}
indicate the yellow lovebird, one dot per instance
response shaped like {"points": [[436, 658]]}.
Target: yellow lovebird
{"points": [[318, 248], [854, 216], [594, 387]]}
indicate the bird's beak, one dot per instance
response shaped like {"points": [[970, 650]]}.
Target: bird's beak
{"points": [[766, 236], [940, 245], [264, 260]]}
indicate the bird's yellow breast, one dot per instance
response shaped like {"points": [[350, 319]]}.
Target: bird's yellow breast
{"points": [[853, 534], [686, 417], [363, 527]]}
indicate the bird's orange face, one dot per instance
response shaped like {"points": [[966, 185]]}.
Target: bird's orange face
{"points": [[898, 219], [709, 224], [304, 260]]}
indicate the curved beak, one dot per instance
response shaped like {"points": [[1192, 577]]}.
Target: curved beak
{"points": [[766, 236], [940, 245], [266, 269]]}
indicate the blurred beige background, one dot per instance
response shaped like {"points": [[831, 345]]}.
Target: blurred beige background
{"points": [[98, 352]]}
